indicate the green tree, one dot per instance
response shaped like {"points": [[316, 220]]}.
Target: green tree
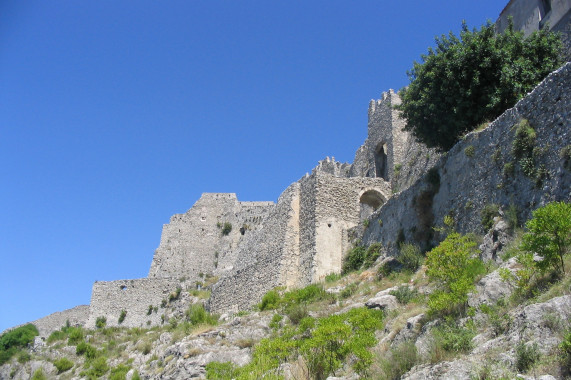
{"points": [[549, 235], [465, 81], [453, 265]]}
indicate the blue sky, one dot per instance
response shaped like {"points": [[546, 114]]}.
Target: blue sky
{"points": [[115, 115]]}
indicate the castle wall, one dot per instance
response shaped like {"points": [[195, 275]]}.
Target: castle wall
{"points": [[109, 298], [76, 316], [467, 183], [405, 159], [265, 259], [193, 243]]}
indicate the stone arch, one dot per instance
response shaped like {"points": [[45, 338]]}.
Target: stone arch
{"points": [[370, 200], [381, 161]]}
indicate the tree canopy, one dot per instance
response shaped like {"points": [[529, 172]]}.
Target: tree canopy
{"points": [[466, 81]]}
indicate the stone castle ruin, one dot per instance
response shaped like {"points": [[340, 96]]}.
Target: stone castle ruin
{"points": [[244, 249], [252, 247]]}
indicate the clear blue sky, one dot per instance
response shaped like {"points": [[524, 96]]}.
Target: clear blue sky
{"points": [[115, 115]]}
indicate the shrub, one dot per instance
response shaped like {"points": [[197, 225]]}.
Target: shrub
{"points": [[469, 151], [24, 357], [488, 213], [404, 294], [270, 300], [410, 257], [549, 235], [221, 371], [56, 335], [332, 277], [226, 229], [372, 254], [349, 290], [399, 360], [454, 338], [122, 316], [526, 356], [453, 265], [86, 349], [75, 335], [354, 259], [465, 81], [39, 375], [196, 315], [63, 364], [98, 368], [100, 322], [119, 372], [296, 313], [13, 340]]}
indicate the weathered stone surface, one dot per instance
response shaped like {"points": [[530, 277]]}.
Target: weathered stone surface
{"points": [[385, 302], [491, 288], [494, 241]]}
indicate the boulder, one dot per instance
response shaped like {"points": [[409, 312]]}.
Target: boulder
{"points": [[386, 302]]}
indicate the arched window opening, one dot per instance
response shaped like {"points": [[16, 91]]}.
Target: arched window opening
{"points": [[381, 169]]}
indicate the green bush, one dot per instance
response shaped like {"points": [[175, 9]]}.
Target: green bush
{"points": [[56, 335], [119, 372], [39, 375], [75, 335], [453, 266], [398, 361], [226, 228], [296, 313], [270, 300], [488, 213], [349, 290], [526, 356], [324, 343], [354, 259], [197, 315], [63, 364], [221, 371], [122, 316], [98, 368], [565, 348], [332, 277], [524, 141], [15, 339], [404, 294], [100, 322], [410, 257], [465, 81], [361, 258], [86, 349], [454, 338], [469, 151], [549, 235]]}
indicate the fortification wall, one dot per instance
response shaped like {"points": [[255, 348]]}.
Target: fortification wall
{"points": [[468, 182], [76, 316], [389, 152], [265, 259], [338, 204], [109, 298], [193, 243]]}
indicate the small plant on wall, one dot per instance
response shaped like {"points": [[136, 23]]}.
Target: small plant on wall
{"points": [[122, 316]]}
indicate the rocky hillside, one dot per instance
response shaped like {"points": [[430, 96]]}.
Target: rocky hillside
{"points": [[376, 322]]}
